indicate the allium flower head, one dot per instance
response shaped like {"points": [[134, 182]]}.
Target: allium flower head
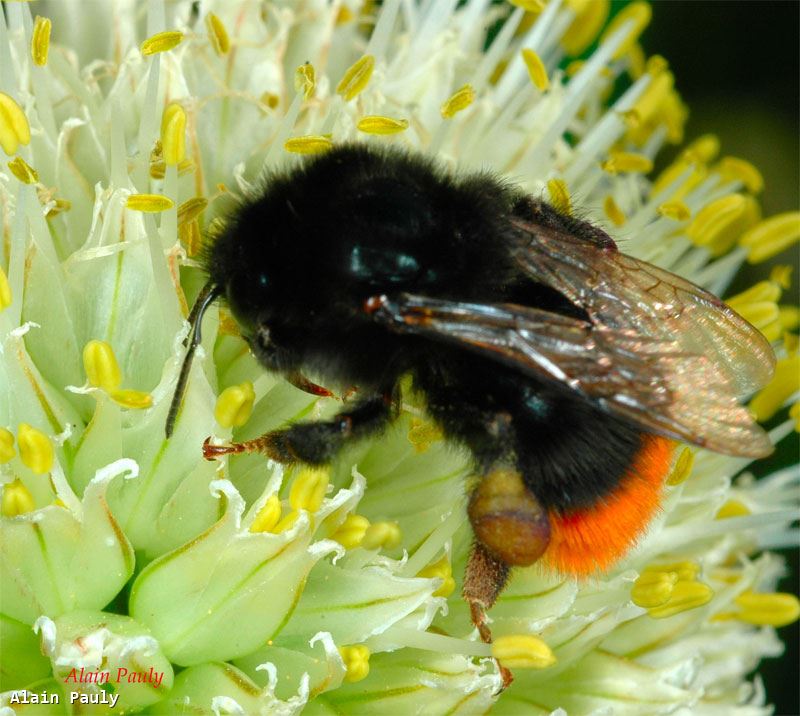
{"points": [[136, 574]]}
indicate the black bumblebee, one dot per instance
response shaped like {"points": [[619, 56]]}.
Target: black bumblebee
{"points": [[566, 367]]}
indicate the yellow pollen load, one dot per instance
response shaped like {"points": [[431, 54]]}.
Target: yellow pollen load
{"points": [[129, 398], [785, 383], [377, 124], [7, 451], [458, 101], [682, 469], [17, 499], [309, 488], [14, 127], [522, 651], [627, 162], [356, 78], [40, 40], [149, 203], [423, 433], [351, 532], [101, 365], [384, 535], [676, 210], [310, 144], [441, 569], [639, 13], [191, 209], [268, 516], [613, 212], [732, 508], [35, 449], [173, 134], [305, 80], [161, 42], [718, 225], [235, 405], [23, 171], [536, 69], [590, 16], [217, 34], [356, 662], [771, 236], [776, 609], [5, 291], [559, 196], [736, 169]]}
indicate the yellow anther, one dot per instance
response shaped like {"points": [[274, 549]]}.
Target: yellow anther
{"points": [[7, 451], [217, 34], [268, 516], [624, 162], [173, 134], [685, 595], [5, 291], [522, 651], [310, 144], [789, 317], [771, 236], [35, 449], [656, 64], [191, 209], [40, 40], [134, 399], [653, 100], [356, 78], [637, 61], [654, 588], [235, 405], [535, 6], [286, 522], [782, 275], [720, 219], [14, 127], [590, 16], [687, 571], [423, 433], [189, 236], [270, 100], [441, 569], [59, 205], [161, 42], [536, 69], [559, 196], [458, 101], [791, 344], [379, 535], [785, 383], [631, 118], [23, 171], [759, 292], [682, 469], [794, 414], [676, 210], [352, 531], [101, 365], [344, 15], [735, 169], [705, 147], [776, 609], [305, 80], [573, 68], [308, 488], [158, 168], [17, 499], [732, 508], [678, 168], [763, 315], [376, 124], [356, 661], [150, 203], [639, 14], [613, 211]]}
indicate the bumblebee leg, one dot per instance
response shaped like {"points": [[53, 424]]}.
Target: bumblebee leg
{"points": [[314, 443]]}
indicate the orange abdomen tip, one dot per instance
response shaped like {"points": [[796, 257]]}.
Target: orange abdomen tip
{"points": [[593, 538]]}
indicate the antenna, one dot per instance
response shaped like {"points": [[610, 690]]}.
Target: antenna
{"points": [[207, 295]]}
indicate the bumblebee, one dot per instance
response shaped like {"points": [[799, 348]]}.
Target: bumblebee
{"points": [[567, 368]]}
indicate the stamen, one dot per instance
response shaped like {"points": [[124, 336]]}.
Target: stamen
{"points": [[352, 531], [762, 291], [380, 535], [149, 203], [377, 124], [735, 169], [101, 365], [161, 42], [23, 171], [637, 62], [776, 609], [286, 522], [308, 488], [590, 16], [785, 383], [789, 317], [217, 34], [158, 168], [40, 40], [129, 398], [522, 651], [268, 516], [705, 148], [191, 209], [5, 291], [732, 508], [613, 212], [356, 661], [235, 405], [356, 78], [683, 468], [676, 210], [173, 130], [652, 589], [559, 196], [17, 499], [637, 12], [668, 589], [686, 571], [620, 162], [189, 236], [310, 144], [14, 127], [59, 206], [35, 449], [715, 218], [771, 236], [7, 451], [536, 69], [534, 6], [441, 569], [422, 434], [458, 101], [782, 275], [794, 414], [685, 596]]}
